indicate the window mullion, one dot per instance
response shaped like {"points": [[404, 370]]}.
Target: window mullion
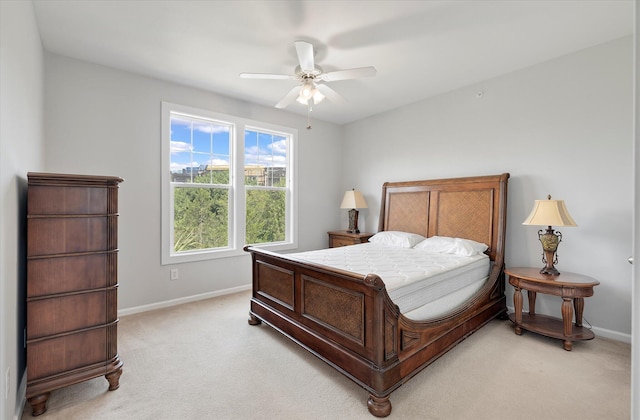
{"points": [[191, 153], [239, 185]]}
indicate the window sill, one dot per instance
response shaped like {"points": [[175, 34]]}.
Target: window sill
{"points": [[225, 253]]}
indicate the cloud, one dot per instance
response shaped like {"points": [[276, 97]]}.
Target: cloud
{"points": [[279, 147], [274, 154], [180, 146], [252, 150], [217, 162], [210, 128]]}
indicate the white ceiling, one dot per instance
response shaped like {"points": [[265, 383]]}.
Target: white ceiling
{"points": [[420, 48]]}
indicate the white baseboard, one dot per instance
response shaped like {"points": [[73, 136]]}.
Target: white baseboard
{"points": [[179, 301], [21, 397], [613, 335], [602, 332]]}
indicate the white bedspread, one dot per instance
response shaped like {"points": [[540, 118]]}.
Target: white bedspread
{"points": [[413, 277]]}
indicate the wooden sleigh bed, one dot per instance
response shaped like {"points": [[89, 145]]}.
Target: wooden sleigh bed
{"points": [[348, 319]]}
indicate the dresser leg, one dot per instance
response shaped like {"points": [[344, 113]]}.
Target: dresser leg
{"points": [[39, 403], [114, 379]]}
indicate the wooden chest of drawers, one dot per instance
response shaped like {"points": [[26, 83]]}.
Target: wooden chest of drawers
{"points": [[72, 249]]}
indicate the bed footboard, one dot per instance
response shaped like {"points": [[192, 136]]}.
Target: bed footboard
{"points": [[340, 317]]}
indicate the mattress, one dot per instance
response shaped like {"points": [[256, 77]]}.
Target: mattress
{"points": [[413, 277], [445, 304]]}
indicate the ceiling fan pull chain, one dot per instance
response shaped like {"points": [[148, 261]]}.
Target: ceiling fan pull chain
{"points": [[309, 117]]}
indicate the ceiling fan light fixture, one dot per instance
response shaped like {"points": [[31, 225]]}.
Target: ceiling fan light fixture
{"points": [[317, 96], [306, 91], [309, 92]]}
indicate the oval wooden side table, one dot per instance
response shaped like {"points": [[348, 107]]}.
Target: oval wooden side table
{"points": [[571, 287]]}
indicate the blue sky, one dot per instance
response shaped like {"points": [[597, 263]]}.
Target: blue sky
{"points": [[192, 141]]}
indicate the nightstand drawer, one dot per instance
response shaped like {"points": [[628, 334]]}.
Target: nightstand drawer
{"points": [[336, 242], [344, 238]]}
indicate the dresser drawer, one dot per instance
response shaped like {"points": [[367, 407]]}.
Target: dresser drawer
{"points": [[66, 353], [65, 235], [47, 276], [55, 315], [67, 200]]}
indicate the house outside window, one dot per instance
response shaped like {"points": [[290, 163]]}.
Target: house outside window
{"points": [[227, 182]]}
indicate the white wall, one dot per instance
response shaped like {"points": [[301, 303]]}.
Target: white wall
{"points": [[21, 127], [107, 122], [562, 128]]}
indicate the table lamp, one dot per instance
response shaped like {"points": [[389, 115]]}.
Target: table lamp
{"points": [[549, 213], [353, 200]]}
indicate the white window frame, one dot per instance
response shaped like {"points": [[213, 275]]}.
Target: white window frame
{"points": [[237, 208]]}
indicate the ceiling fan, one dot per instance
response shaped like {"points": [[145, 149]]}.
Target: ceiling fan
{"points": [[313, 88]]}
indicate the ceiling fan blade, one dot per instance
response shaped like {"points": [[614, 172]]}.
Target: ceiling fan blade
{"points": [[348, 74], [331, 94], [289, 97], [267, 76], [305, 56]]}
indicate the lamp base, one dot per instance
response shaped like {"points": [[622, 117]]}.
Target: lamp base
{"points": [[550, 270], [550, 241], [353, 221]]}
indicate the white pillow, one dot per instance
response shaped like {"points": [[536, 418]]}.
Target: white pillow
{"points": [[479, 247], [446, 245], [396, 238], [440, 244]]}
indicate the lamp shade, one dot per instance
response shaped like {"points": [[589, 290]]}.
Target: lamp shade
{"points": [[549, 213], [353, 200]]}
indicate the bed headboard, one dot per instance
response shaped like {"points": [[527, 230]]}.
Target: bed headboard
{"points": [[472, 208]]}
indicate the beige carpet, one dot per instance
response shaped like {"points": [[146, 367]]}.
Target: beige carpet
{"points": [[203, 361]]}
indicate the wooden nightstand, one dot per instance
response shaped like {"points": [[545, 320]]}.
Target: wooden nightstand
{"points": [[573, 288], [343, 238]]}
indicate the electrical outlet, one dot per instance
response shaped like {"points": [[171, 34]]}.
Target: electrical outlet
{"points": [[174, 274], [7, 382]]}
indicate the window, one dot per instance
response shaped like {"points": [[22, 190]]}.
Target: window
{"points": [[227, 182]]}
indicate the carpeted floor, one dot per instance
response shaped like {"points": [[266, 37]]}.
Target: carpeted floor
{"points": [[203, 361]]}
